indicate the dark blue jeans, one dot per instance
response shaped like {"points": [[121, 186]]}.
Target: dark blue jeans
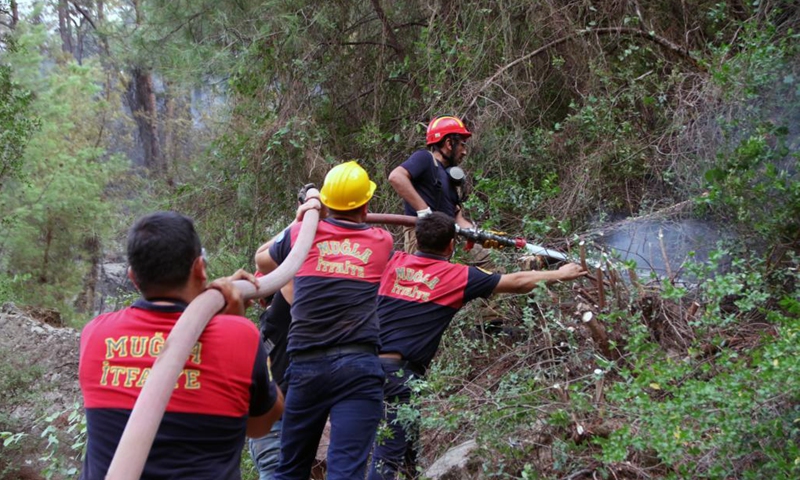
{"points": [[266, 451], [349, 387], [397, 451]]}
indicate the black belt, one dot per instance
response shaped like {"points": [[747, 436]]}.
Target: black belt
{"points": [[315, 353], [414, 367]]}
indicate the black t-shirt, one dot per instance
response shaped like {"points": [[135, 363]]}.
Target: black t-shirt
{"points": [[431, 181], [275, 323]]}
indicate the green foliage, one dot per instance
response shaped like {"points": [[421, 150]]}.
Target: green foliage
{"points": [[65, 447], [10, 438], [17, 124], [713, 409], [509, 411], [751, 176], [247, 467], [60, 199], [562, 136], [12, 443], [16, 378], [731, 404], [10, 284], [758, 183]]}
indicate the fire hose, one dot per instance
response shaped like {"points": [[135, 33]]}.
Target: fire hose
{"points": [[473, 235], [148, 411]]}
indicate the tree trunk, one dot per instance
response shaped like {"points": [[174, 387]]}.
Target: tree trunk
{"points": [[169, 123], [48, 241], [142, 100], [80, 34], [101, 22], [14, 14], [85, 301], [64, 27], [388, 30]]}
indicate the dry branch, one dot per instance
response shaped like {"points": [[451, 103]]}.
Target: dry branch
{"points": [[388, 30], [84, 14], [601, 294], [583, 256], [599, 335], [664, 42]]}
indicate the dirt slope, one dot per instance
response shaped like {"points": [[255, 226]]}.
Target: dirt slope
{"points": [[38, 392]]}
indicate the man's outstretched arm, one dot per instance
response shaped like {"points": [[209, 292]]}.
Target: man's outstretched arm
{"points": [[524, 282]]}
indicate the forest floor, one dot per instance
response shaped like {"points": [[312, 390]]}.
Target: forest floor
{"points": [[40, 406], [39, 394]]}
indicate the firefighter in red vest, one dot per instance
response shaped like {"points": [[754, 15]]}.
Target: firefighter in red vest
{"points": [[419, 295], [333, 337]]}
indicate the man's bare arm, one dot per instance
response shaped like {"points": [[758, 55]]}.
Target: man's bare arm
{"points": [[400, 180], [264, 262], [524, 282], [259, 426]]}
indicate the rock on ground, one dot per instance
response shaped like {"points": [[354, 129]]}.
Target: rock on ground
{"points": [[453, 464]]}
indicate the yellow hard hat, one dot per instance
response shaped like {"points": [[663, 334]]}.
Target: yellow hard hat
{"points": [[347, 186]]}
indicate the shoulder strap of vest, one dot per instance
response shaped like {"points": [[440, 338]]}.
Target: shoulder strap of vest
{"points": [[437, 183]]}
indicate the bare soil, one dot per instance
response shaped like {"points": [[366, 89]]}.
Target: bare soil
{"points": [[38, 391]]}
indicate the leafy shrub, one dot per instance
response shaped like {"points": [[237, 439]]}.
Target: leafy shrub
{"points": [[65, 436], [714, 411]]}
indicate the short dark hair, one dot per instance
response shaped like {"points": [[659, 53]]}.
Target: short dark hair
{"points": [[434, 232], [456, 138], [162, 247], [344, 213]]}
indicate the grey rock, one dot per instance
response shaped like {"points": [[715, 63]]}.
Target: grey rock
{"points": [[454, 459]]}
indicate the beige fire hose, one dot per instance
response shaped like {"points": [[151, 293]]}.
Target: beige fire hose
{"points": [[391, 219], [148, 411]]}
